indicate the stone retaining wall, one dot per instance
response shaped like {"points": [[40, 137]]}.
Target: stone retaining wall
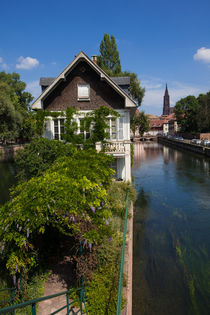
{"points": [[187, 146], [128, 267], [7, 153]]}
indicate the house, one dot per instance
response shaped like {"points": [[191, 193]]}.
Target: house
{"points": [[85, 86], [158, 127]]}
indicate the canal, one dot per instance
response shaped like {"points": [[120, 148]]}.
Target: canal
{"points": [[171, 271]]}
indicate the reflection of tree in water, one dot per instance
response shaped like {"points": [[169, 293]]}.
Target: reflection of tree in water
{"points": [[140, 215], [192, 171], [146, 151], [7, 179], [156, 275]]}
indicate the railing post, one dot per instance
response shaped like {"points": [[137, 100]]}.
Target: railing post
{"points": [[13, 299], [33, 309], [67, 303], [21, 287]]}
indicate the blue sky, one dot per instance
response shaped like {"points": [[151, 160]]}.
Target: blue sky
{"points": [[162, 41]]}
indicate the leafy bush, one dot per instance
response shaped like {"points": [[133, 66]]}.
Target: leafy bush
{"points": [[39, 155], [70, 196]]}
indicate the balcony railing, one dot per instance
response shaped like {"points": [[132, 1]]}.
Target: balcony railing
{"points": [[114, 147], [118, 147]]}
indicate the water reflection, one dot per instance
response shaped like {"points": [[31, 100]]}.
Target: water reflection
{"points": [[171, 232]]}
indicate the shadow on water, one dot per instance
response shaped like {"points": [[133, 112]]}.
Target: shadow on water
{"points": [[171, 233], [7, 180]]}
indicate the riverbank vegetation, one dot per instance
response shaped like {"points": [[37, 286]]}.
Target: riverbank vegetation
{"points": [[65, 193], [15, 119], [193, 114]]}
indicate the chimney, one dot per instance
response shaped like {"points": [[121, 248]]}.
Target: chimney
{"points": [[94, 59]]}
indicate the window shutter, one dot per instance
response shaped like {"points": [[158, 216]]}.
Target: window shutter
{"points": [[83, 91]]}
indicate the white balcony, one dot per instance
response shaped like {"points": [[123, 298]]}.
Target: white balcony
{"points": [[117, 148]]}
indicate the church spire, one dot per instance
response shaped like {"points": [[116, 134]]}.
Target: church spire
{"points": [[166, 90], [166, 102]]}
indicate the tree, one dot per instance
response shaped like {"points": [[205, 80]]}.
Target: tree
{"points": [[140, 122], [17, 88], [135, 90], [14, 106], [203, 116], [10, 118], [109, 61], [186, 110]]}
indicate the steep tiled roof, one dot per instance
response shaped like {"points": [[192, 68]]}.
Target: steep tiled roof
{"points": [[46, 81], [121, 80]]}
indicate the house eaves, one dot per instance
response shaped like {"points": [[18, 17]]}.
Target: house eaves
{"points": [[38, 103]]}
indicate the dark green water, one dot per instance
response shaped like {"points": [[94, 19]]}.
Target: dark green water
{"points": [[7, 179], [171, 272]]}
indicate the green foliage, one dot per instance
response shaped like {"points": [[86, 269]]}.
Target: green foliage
{"points": [[17, 90], [101, 292], [109, 59], [140, 122], [32, 288], [71, 127], [71, 196], [10, 118], [186, 111], [203, 116], [39, 155], [116, 197], [135, 90], [99, 118], [14, 105]]}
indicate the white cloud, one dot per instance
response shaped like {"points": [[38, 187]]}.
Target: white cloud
{"points": [[34, 88], [27, 63], [3, 65], [203, 54], [53, 63]]}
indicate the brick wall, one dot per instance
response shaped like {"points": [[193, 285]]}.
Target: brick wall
{"points": [[65, 94]]}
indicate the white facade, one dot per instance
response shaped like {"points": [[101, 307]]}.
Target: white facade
{"points": [[118, 144]]}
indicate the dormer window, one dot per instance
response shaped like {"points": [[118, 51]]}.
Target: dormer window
{"points": [[83, 92]]}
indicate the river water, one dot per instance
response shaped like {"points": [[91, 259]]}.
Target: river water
{"points": [[171, 272], [7, 180]]}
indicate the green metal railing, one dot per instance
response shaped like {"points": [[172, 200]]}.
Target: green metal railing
{"points": [[12, 295], [120, 283], [68, 306]]}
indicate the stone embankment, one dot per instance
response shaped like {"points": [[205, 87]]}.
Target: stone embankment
{"points": [[7, 152], [128, 267], [186, 145]]}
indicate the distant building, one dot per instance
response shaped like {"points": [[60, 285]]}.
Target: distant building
{"points": [[167, 110], [163, 125]]}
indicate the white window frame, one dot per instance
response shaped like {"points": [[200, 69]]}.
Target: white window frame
{"points": [[59, 127], [120, 123]]}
